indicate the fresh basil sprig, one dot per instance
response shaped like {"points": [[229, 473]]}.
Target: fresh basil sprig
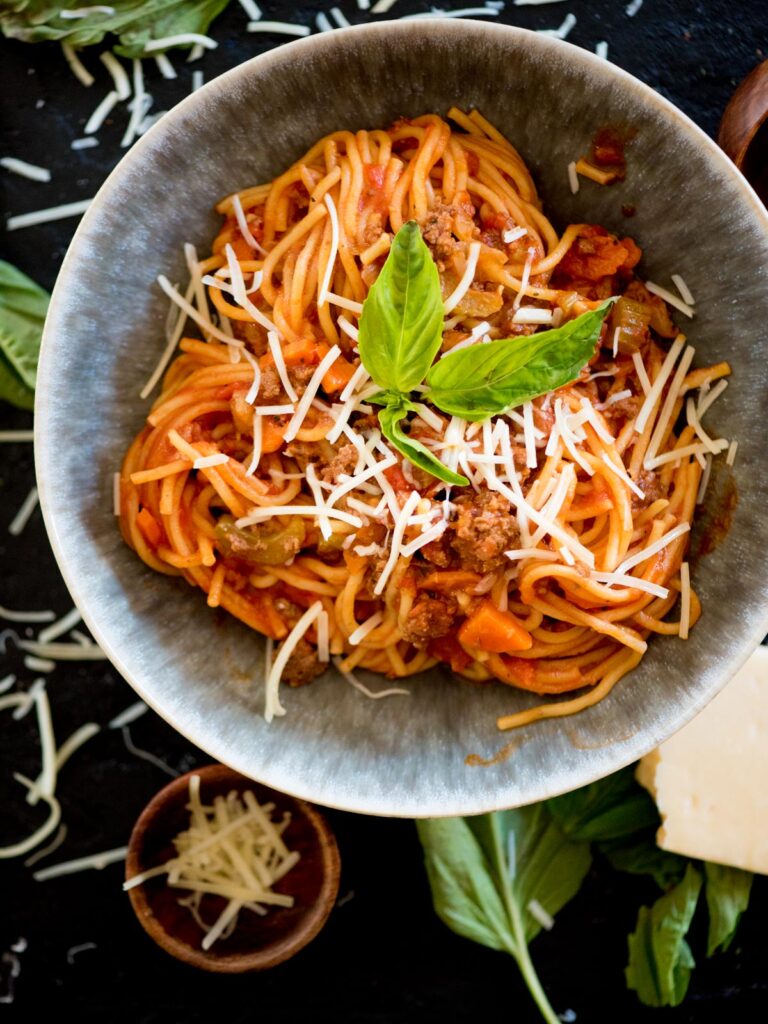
{"points": [[401, 328], [485, 871], [400, 334], [485, 380]]}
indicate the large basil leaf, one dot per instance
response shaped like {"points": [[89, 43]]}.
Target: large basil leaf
{"points": [[485, 380], [660, 960], [485, 871], [463, 890], [727, 894], [402, 320], [390, 418], [135, 23], [23, 305]]}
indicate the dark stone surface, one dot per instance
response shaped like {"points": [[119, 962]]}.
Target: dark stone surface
{"points": [[383, 956]]}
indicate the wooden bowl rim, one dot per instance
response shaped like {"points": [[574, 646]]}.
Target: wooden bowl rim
{"points": [[221, 776], [745, 115]]}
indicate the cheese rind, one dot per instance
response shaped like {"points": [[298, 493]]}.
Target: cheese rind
{"points": [[710, 780]]}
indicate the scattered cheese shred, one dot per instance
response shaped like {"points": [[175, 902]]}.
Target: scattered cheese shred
{"points": [[573, 178], [669, 297], [352, 679], [118, 73], [24, 169], [95, 861], [466, 278], [272, 705], [22, 517], [78, 68], [182, 39], [28, 220], [285, 28]]}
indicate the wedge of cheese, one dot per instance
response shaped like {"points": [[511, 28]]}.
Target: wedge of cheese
{"points": [[710, 780]]}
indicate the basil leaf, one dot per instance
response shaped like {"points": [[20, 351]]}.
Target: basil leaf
{"points": [[548, 866], [612, 808], [485, 380], [639, 855], [481, 895], [463, 891], [660, 960], [390, 418], [401, 326], [727, 894], [134, 22], [23, 305], [12, 389]]}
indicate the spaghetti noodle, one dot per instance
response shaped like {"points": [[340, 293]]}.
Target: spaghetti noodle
{"points": [[262, 477]]}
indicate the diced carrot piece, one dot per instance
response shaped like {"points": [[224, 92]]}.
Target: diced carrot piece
{"points": [[339, 374], [493, 630], [306, 350], [272, 433], [454, 579], [149, 526]]}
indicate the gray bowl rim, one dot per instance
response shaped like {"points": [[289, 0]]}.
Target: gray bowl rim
{"points": [[326, 44]]}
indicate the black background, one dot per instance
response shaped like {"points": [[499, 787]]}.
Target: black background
{"points": [[383, 956]]}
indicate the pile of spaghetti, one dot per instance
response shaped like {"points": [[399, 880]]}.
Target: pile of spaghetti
{"points": [[262, 475]]}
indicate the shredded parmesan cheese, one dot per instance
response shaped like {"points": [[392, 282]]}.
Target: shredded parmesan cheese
{"points": [[25, 170], [466, 278], [285, 28], [28, 220], [272, 705], [669, 298]]}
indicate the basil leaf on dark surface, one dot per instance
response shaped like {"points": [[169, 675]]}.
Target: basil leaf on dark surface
{"points": [[660, 960], [463, 891], [485, 380], [135, 23], [23, 306], [619, 816], [11, 388], [402, 320], [485, 871], [611, 808], [390, 418], [727, 893], [639, 855]]}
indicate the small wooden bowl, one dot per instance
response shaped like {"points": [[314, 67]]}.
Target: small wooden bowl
{"points": [[257, 942], [743, 132]]}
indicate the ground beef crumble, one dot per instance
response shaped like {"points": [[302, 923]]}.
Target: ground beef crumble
{"points": [[484, 529], [303, 665], [342, 463], [650, 484], [430, 617]]}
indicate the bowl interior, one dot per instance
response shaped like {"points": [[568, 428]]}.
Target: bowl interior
{"points": [[204, 672], [256, 942]]}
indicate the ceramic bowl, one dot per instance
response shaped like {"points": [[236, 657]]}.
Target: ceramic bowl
{"points": [[695, 215]]}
